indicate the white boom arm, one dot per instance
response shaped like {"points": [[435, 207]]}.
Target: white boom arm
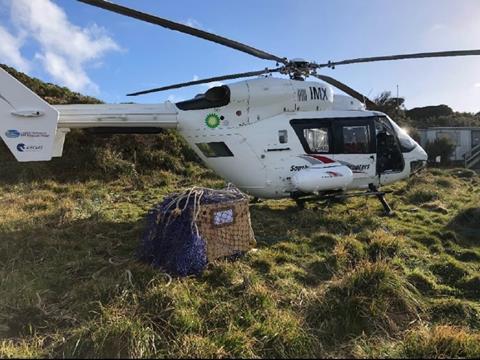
{"points": [[122, 115], [33, 130]]}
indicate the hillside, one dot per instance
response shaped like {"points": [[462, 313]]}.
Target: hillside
{"points": [[88, 156], [423, 117], [52, 93], [330, 280]]}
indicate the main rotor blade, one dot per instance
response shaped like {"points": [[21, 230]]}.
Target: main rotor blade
{"points": [[107, 5], [209, 80], [402, 57], [347, 89]]}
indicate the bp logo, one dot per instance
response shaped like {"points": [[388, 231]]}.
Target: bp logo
{"points": [[212, 121]]}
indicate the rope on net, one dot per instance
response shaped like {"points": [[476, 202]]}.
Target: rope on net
{"points": [[172, 240]]}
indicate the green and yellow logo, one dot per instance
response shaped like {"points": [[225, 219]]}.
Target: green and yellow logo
{"points": [[212, 121]]}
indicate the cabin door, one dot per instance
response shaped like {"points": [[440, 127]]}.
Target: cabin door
{"points": [[355, 144], [390, 159]]}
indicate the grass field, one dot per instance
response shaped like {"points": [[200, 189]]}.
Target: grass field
{"points": [[326, 281]]}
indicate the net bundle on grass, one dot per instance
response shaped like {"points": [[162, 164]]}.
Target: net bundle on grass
{"points": [[191, 228]]}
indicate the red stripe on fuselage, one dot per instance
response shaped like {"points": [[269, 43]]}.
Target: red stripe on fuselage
{"points": [[323, 159]]}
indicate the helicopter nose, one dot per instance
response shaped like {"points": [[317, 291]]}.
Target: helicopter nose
{"points": [[422, 154], [419, 159]]}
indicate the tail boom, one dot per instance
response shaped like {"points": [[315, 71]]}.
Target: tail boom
{"points": [[33, 130], [122, 115]]}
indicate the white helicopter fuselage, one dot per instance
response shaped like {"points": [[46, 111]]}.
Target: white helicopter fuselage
{"points": [[260, 150], [271, 137]]}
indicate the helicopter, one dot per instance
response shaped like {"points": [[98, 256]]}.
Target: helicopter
{"points": [[271, 137]]}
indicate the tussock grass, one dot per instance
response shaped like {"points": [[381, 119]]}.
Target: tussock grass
{"points": [[463, 173], [448, 270], [440, 342], [21, 349], [337, 280], [455, 312], [467, 218], [470, 286], [331, 280], [371, 298], [384, 246], [421, 196]]}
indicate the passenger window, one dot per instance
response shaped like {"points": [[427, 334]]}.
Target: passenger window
{"points": [[215, 149], [356, 139], [317, 140]]}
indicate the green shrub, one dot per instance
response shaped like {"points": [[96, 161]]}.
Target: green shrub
{"points": [[442, 147]]}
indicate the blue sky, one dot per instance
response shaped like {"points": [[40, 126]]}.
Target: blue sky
{"points": [[107, 55]]}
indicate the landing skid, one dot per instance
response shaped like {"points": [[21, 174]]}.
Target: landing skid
{"points": [[335, 196]]}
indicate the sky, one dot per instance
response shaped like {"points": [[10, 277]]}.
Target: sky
{"points": [[107, 55]]}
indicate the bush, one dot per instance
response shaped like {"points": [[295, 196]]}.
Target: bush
{"points": [[442, 147]]}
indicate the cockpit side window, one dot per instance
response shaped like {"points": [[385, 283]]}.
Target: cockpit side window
{"points": [[215, 149], [406, 142], [389, 151]]}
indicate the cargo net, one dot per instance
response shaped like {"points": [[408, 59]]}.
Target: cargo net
{"points": [[191, 228]]}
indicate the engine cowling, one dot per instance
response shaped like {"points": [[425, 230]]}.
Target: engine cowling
{"points": [[323, 178]]}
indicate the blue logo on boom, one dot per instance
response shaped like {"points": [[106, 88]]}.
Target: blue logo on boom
{"points": [[12, 134], [21, 147]]}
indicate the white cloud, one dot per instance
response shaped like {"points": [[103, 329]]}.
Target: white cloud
{"points": [[476, 85], [70, 74], [10, 50], [65, 49]]}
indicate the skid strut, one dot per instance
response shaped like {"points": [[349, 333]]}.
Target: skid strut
{"points": [[372, 191], [381, 197]]}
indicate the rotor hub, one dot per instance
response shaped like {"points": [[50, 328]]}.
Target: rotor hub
{"points": [[298, 69]]}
